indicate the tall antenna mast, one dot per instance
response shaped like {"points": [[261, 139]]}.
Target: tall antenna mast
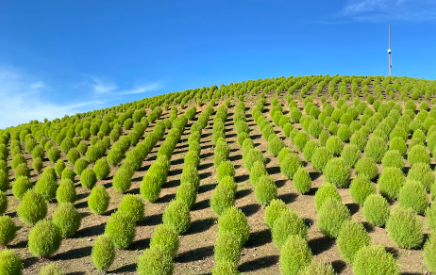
{"points": [[389, 51]]}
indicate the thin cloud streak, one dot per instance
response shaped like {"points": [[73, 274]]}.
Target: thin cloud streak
{"points": [[102, 87]]}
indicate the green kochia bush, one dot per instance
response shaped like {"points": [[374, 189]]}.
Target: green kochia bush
{"points": [[4, 181], [374, 260], [430, 253], [67, 218], [103, 253], [46, 184], [390, 181], [88, 178], [98, 200], [227, 248], [290, 165], [320, 158], [222, 198], [331, 216], [132, 207], [234, 221], [22, 170], [334, 145], [295, 255], [413, 196], [225, 169], [265, 190], [376, 210], [275, 144], [418, 154], [51, 269], [337, 172], [122, 179], [287, 223], [166, 238], [350, 155], [177, 216], [101, 168], [318, 268], [393, 158], [302, 180], [32, 208], [44, 239], [351, 238], [10, 263], [273, 211], [422, 173], [376, 148], [68, 173], [366, 167], [120, 229], [405, 228], [325, 192], [187, 193], [7, 230], [398, 144], [155, 261], [20, 187], [361, 187], [59, 167], [66, 192], [3, 202]]}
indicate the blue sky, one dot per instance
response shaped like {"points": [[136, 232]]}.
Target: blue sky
{"points": [[63, 57]]}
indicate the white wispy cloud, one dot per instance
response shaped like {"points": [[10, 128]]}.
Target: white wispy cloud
{"points": [[24, 98], [384, 10], [106, 88]]}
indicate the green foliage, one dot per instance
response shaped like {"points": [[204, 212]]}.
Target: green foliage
{"points": [[225, 268], [98, 200], [66, 192], [309, 149], [67, 218], [73, 155], [20, 187], [320, 158], [351, 238], [88, 178], [275, 144], [59, 167], [44, 239], [103, 253], [374, 260], [287, 223], [22, 170], [390, 181], [187, 193], [68, 174], [80, 165], [53, 154], [331, 216], [4, 181], [222, 198], [166, 238], [324, 192], [8, 230], [273, 211], [417, 154], [300, 140], [265, 190], [122, 180], [423, 173], [366, 167], [430, 215], [350, 155], [302, 180], [318, 268], [376, 149], [225, 169], [413, 196], [361, 187], [120, 229], [337, 172], [101, 168], [234, 221], [51, 269], [10, 263], [430, 253], [290, 164], [398, 144], [334, 145], [177, 216], [295, 255], [37, 164], [393, 158], [155, 261], [227, 248], [32, 208], [376, 210], [405, 228], [132, 207]]}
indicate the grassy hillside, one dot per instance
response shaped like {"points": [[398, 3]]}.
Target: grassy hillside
{"points": [[293, 175]]}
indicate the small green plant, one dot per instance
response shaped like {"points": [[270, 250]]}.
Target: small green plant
{"points": [[155, 261], [80, 165], [120, 229], [302, 180], [324, 192], [417, 154], [287, 223], [422, 173], [366, 167], [225, 169], [376, 210], [290, 164], [309, 149], [44, 239], [318, 268], [320, 157], [390, 181], [88, 178], [66, 192], [227, 248], [374, 259], [51, 269], [265, 190], [331, 216], [361, 187], [273, 211], [413, 196], [351, 238], [53, 154], [4, 181], [67, 218], [22, 170], [393, 158], [20, 187], [295, 255], [3, 202], [405, 228], [225, 268], [397, 143], [187, 193], [234, 221], [166, 238], [337, 172], [430, 253], [98, 200], [8, 230], [101, 168], [10, 263], [122, 180], [103, 253], [68, 174], [350, 155], [177, 216], [222, 198], [37, 164], [376, 149], [132, 206], [73, 155], [334, 145], [32, 208]]}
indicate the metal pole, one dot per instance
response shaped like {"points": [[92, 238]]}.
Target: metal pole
{"points": [[389, 51]]}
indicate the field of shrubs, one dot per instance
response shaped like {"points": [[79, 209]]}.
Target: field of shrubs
{"points": [[300, 175]]}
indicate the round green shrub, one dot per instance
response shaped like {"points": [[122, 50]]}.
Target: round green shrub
{"points": [[150, 186], [376, 149], [98, 200], [67, 218], [351, 238], [234, 221], [10, 263], [295, 255], [318, 268], [225, 169], [398, 144], [344, 133], [53, 154], [334, 145], [177, 216], [430, 253], [44, 239], [46, 187], [390, 181], [430, 215], [132, 207], [418, 154], [227, 248], [350, 155], [287, 223], [290, 164], [275, 144], [32, 208], [20, 187], [302, 180], [331, 216], [423, 173], [122, 180], [88, 178], [366, 167], [22, 170], [229, 182], [66, 192], [37, 165], [405, 228], [225, 268], [376, 210], [3, 202], [73, 155], [309, 149], [120, 229], [155, 261], [223, 197], [323, 137], [252, 156], [51, 269], [265, 190], [393, 158], [413, 196], [273, 211], [315, 128], [68, 174], [80, 165], [361, 187], [337, 172], [374, 260], [101, 168], [324, 192], [320, 157], [257, 171], [359, 139], [8, 230], [4, 181], [187, 193], [103, 253], [166, 238], [300, 140]]}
